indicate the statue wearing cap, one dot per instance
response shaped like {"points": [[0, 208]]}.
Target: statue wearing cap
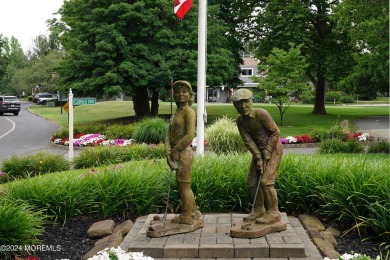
{"points": [[179, 154], [261, 136]]}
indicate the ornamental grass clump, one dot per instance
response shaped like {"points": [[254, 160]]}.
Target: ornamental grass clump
{"points": [[223, 137], [137, 187], [338, 146], [106, 155], [381, 146], [20, 224], [31, 165], [151, 131], [120, 131]]}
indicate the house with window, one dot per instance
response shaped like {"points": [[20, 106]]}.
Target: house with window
{"points": [[248, 69]]}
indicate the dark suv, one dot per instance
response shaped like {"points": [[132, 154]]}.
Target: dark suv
{"points": [[9, 104]]}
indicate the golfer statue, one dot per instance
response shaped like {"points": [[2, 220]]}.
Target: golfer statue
{"points": [[179, 154], [261, 136]]}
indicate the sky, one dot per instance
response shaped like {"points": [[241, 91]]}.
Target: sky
{"points": [[26, 19]]}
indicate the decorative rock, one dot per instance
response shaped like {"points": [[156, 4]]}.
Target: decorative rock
{"points": [[311, 221], [335, 232], [327, 236], [101, 229], [320, 243], [114, 242], [124, 227], [313, 233], [329, 252]]}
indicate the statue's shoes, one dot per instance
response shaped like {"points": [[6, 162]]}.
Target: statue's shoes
{"points": [[269, 218], [254, 215], [196, 214], [183, 220]]}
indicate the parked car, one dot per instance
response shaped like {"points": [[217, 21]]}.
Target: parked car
{"points": [[9, 104], [42, 100], [38, 95]]}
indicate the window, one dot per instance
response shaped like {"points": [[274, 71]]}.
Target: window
{"points": [[246, 72]]}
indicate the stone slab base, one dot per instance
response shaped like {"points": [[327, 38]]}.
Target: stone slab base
{"points": [[214, 240]]}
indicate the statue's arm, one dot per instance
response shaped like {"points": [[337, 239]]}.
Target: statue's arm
{"points": [[272, 130], [248, 141]]}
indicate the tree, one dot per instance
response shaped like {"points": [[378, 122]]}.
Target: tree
{"points": [[12, 58], [306, 23], [284, 77], [138, 48], [40, 48], [39, 72], [367, 24]]}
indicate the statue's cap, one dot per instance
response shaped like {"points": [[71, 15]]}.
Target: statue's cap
{"points": [[241, 94], [182, 83]]}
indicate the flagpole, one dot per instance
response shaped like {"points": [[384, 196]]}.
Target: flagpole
{"points": [[202, 26]]}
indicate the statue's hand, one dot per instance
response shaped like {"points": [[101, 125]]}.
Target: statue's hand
{"points": [[172, 164], [175, 155], [266, 155], [259, 165]]}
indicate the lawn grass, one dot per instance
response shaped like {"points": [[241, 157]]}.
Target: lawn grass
{"points": [[298, 119]]}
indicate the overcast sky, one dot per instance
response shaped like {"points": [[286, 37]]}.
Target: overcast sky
{"points": [[26, 19]]}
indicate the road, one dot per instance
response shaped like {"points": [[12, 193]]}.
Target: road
{"points": [[25, 134]]}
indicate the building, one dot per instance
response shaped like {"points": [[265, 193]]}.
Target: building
{"points": [[248, 69]]}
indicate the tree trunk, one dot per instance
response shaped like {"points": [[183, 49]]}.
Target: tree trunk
{"points": [[319, 103], [141, 102], [155, 104]]}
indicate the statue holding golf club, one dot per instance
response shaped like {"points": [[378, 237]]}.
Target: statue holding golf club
{"points": [[180, 156], [261, 136]]}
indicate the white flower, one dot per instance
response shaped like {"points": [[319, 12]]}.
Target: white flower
{"points": [[364, 137], [291, 139], [120, 254]]}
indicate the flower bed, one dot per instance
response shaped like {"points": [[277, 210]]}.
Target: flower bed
{"points": [[83, 140]]}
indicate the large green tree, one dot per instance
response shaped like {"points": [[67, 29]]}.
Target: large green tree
{"points": [[137, 48], [367, 24], [307, 23]]}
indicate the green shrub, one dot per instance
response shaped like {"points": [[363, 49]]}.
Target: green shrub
{"points": [[353, 146], [347, 99], [338, 146], [223, 137], [120, 131], [40, 163], [19, 226], [317, 134], [381, 146], [308, 98], [332, 96], [151, 131], [105, 155], [331, 146], [335, 132]]}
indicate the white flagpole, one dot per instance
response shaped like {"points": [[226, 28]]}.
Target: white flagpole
{"points": [[202, 29], [70, 100]]}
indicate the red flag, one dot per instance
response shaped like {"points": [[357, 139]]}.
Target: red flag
{"points": [[181, 7]]}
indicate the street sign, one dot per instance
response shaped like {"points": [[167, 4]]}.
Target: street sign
{"points": [[66, 107], [84, 101]]}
